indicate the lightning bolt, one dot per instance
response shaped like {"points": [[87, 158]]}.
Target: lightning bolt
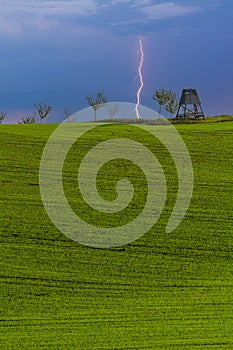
{"points": [[140, 78]]}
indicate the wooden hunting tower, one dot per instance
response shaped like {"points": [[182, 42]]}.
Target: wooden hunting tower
{"points": [[190, 105]]}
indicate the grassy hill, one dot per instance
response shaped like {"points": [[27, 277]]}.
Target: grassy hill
{"points": [[163, 291]]}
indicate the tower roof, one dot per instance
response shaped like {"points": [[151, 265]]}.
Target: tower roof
{"points": [[189, 96]]}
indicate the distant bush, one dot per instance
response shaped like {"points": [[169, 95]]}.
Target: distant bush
{"points": [[149, 121], [213, 119], [159, 121]]}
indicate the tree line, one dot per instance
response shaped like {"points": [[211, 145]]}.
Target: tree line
{"points": [[42, 111], [165, 98]]}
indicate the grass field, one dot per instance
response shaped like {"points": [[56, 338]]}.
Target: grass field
{"points": [[163, 291]]}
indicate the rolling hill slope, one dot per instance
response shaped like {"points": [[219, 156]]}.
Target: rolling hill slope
{"points": [[162, 291]]}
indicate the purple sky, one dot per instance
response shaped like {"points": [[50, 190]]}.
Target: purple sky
{"points": [[58, 52]]}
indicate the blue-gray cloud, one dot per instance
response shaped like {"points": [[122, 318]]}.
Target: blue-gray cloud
{"points": [[167, 10], [41, 14], [15, 17]]}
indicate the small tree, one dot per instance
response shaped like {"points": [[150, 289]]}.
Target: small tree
{"points": [[2, 116], [97, 101], [43, 110], [67, 113], [113, 109], [162, 97], [172, 105], [27, 120]]}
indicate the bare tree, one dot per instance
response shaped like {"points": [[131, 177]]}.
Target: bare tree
{"points": [[27, 120], [172, 105], [113, 109], [162, 97], [97, 101], [67, 113], [2, 116], [43, 110]]}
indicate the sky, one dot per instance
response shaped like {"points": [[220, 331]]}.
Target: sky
{"points": [[61, 51]]}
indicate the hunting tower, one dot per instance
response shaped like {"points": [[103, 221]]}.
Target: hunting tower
{"points": [[190, 105]]}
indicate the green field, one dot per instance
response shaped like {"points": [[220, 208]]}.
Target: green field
{"points": [[163, 291]]}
